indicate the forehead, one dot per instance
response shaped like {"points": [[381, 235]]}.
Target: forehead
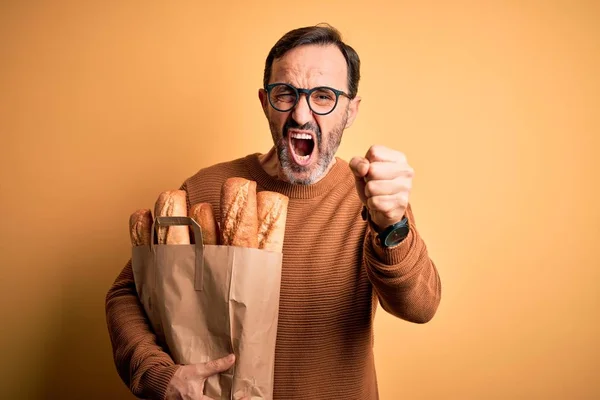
{"points": [[312, 65]]}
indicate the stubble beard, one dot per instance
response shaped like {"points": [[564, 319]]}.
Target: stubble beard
{"points": [[297, 174]]}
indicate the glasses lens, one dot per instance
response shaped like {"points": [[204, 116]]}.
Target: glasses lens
{"points": [[282, 97], [322, 100]]}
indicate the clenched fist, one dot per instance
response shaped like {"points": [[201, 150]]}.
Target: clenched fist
{"points": [[188, 382], [383, 181]]}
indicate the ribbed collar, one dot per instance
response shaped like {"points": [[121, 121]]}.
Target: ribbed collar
{"points": [[337, 175]]}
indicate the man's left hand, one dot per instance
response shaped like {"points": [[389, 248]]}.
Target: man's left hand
{"points": [[383, 181]]}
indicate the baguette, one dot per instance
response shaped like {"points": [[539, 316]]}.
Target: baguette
{"points": [[140, 225], [272, 216], [203, 214], [239, 222], [172, 203]]}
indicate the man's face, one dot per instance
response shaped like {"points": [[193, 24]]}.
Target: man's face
{"points": [[306, 142]]}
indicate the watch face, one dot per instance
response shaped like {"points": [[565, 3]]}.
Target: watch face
{"points": [[396, 236]]}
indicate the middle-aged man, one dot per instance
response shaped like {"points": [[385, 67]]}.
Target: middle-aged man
{"points": [[350, 240]]}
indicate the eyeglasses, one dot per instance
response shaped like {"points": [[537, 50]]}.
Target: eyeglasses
{"points": [[321, 100]]}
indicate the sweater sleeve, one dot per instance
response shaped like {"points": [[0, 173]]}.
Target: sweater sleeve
{"points": [[142, 364], [404, 277]]}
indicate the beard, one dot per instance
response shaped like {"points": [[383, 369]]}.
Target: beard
{"points": [[327, 147]]}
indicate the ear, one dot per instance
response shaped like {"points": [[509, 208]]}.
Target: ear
{"points": [[352, 111], [264, 101]]}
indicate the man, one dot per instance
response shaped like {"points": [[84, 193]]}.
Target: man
{"points": [[350, 240]]}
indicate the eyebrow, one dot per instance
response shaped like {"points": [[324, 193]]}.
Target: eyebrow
{"points": [[298, 87]]}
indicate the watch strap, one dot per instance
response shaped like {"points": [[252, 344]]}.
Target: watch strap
{"points": [[382, 235]]}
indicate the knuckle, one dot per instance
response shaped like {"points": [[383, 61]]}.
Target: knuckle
{"points": [[214, 365], [370, 188], [375, 170], [373, 203], [402, 200], [374, 151], [405, 171], [370, 152], [403, 184], [381, 203]]}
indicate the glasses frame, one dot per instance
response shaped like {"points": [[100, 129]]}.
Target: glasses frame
{"points": [[308, 93]]}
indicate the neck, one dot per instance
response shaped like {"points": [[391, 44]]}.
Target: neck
{"points": [[270, 163]]}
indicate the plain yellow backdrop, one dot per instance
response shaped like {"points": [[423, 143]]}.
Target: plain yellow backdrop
{"points": [[495, 103]]}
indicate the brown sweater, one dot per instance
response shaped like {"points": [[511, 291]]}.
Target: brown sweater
{"points": [[332, 280]]}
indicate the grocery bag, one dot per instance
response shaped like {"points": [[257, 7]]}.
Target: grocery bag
{"points": [[207, 301]]}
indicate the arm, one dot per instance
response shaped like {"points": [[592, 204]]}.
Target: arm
{"points": [[404, 277], [142, 364]]}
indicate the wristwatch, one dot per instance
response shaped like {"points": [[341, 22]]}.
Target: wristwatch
{"points": [[390, 236]]}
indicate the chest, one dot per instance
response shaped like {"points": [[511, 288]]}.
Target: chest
{"points": [[323, 247]]}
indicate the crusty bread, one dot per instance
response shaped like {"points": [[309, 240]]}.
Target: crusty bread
{"points": [[272, 216], [203, 214], [172, 203], [140, 225], [239, 222]]}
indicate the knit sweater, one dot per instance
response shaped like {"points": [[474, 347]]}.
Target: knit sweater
{"points": [[334, 275]]}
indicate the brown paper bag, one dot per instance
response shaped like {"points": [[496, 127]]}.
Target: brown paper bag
{"points": [[206, 301]]}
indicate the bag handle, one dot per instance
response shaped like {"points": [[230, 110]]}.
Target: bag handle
{"points": [[198, 242]]}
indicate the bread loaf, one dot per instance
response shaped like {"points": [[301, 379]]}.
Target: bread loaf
{"points": [[203, 214], [140, 225], [239, 222], [272, 215], [172, 203]]}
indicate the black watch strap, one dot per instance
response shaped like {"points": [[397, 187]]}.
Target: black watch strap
{"points": [[390, 236]]}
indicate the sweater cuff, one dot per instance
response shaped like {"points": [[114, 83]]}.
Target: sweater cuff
{"points": [[386, 255], [399, 260], [391, 255], [157, 379]]}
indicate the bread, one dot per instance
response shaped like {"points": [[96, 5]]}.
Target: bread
{"points": [[239, 222], [140, 226], [203, 214], [272, 215], [172, 203]]}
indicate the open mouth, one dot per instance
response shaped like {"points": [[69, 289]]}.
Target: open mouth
{"points": [[302, 146]]}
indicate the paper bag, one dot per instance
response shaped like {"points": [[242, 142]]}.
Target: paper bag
{"points": [[206, 301]]}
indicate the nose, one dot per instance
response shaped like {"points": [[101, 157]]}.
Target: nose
{"points": [[301, 112]]}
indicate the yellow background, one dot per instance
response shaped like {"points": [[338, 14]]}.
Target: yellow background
{"points": [[495, 103]]}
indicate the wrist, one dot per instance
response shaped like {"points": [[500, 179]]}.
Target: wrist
{"points": [[388, 236]]}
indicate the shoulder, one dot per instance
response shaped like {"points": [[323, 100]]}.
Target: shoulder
{"points": [[225, 168], [345, 168], [205, 184]]}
